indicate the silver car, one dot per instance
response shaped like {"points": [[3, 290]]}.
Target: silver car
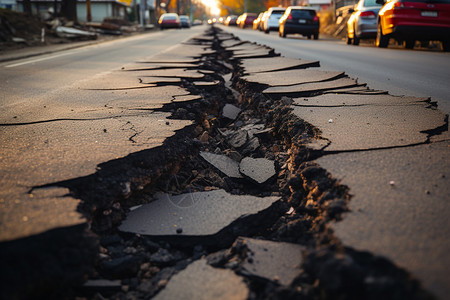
{"points": [[362, 23], [271, 22]]}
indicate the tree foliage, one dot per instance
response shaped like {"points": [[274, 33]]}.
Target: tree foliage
{"points": [[236, 7]]}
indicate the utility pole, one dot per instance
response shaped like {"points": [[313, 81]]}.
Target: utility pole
{"points": [[88, 11]]}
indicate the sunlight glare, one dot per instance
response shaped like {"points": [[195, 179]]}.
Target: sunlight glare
{"points": [[213, 7]]}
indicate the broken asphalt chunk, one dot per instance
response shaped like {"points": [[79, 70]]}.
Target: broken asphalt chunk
{"points": [[278, 63], [230, 111], [200, 215], [201, 281], [223, 163], [258, 169], [308, 88], [273, 261], [292, 77]]}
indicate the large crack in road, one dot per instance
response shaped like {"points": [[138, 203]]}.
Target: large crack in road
{"points": [[251, 200]]}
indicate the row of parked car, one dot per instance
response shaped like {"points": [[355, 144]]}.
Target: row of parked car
{"points": [[173, 20], [406, 21], [293, 19]]}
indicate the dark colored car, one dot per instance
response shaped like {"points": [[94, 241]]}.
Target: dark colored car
{"points": [[362, 23], [169, 20], [231, 20], [247, 20], [299, 19], [409, 21]]}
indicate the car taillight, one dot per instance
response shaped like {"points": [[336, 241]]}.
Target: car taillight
{"points": [[315, 19], [367, 15], [399, 5], [289, 17]]}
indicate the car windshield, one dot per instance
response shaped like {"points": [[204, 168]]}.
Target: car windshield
{"points": [[371, 3], [170, 17], [277, 12], [303, 13]]}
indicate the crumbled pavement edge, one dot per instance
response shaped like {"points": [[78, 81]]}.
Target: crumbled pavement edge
{"points": [[144, 265]]}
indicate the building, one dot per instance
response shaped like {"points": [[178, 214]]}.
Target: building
{"points": [[100, 9], [8, 4]]}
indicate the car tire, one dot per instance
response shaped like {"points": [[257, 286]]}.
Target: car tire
{"points": [[282, 33], [316, 36], [266, 31], [446, 46], [349, 40], [382, 41], [409, 44], [309, 36], [355, 38]]}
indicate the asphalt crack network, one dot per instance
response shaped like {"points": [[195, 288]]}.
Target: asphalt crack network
{"points": [[295, 226]]}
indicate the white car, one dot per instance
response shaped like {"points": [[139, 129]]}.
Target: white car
{"points": [[271, 22]]}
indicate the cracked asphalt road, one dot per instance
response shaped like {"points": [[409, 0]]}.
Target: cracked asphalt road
{"points": [[54, 127], [390, 152]]}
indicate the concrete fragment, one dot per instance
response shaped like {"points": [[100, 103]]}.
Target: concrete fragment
{"points": [[237, 138], [292, 77], [158, 80], [223, 163], [277, 63], [336, 100], [385, 200], [307, 88], [230, 111], [176, 73], [198, 214], [273, 261], [202, 282], [258, 169], [371, 127]]}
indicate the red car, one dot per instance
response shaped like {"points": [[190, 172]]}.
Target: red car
{"points": [[247, 20], [169, 20], [409, 21]]}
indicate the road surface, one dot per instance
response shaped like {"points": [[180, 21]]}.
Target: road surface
{"points": [[399, 71]]}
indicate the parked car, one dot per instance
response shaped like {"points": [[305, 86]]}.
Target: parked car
{"points": [[169, 20], [257, 21], [271, 21], [247, 20], [362, 23], [197, 22], [185, 21], [263, 19], [300, 19], [231, 20], [409, 21]]}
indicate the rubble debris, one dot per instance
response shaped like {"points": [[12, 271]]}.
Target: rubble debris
{"points": [[73, 33], [308, 88], [277, 63], [200, 214], [273, 261], [258, 169], [197, 280], [230, 111], [223, 163], [292, 77]]}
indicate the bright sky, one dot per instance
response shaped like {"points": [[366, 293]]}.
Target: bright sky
{"points": [[213, 6]]}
